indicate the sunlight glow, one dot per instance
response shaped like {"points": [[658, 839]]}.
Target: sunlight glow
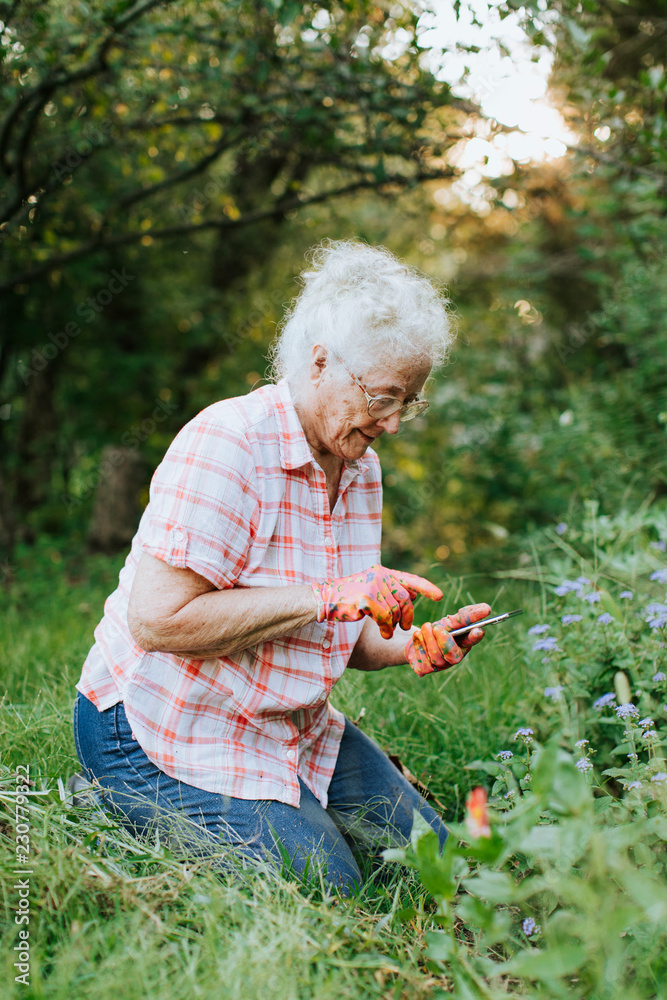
{"points": [[491, 62]]}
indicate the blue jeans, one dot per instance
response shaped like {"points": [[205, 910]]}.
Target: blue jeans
{"points": [[370, 804]]}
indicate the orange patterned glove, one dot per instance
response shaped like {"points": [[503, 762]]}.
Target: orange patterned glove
{"points": [[431, 648], [383, 594]]}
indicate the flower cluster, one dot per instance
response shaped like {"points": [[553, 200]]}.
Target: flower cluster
{"points": [[606, 699], [660, 576], [504, 755], [570, 619], [567, 586], [538, 629], [554, 693], [550, 644], [584, 764], [605, 618], [530, 928], [593, 597], [525, 733], [626, 711], [656, 615]]}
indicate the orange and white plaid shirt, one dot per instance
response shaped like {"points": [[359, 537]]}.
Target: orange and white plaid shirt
{"points": [[239, 499]]}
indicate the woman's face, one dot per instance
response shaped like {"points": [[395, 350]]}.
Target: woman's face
{"points": [[339, 411]]}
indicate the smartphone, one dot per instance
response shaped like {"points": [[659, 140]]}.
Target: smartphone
{"points": [[486, 621]]}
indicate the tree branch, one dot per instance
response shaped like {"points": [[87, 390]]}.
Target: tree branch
{"points": [[96, 65], [611, 161], [101, 243]]}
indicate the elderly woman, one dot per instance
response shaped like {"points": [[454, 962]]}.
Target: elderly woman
{"points": [[254, 580]]}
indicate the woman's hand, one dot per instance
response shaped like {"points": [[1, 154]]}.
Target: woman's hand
{"points": [[383, 594], [432, 648]]}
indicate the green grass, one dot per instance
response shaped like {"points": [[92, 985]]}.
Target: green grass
{"points": [[105, 921]]}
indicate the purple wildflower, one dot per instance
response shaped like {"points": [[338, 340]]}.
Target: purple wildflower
{"points": [[504, 755], [554, 692], [626, 711], [530, 928], [593, 597], [525, 732], [633, 784], [660, 546], [660, 575], [580, 744], [646, 723], [549, 644], [626, 595], [656, 614], [561, 528], [584, 765], [605, 618], [570, 619], [660, 776], [567, 586], [606, 699], [660, 676], [538, 629]]}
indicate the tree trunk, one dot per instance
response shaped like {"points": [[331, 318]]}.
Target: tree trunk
{"points": [[117, 508]]}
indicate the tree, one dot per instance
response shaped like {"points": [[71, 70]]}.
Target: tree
{"points": [[133, 126]]}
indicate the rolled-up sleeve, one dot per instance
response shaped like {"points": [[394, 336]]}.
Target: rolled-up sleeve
{"points": [[203, 510]]}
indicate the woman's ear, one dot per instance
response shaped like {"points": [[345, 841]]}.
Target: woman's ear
{"points": [[318, 363]]}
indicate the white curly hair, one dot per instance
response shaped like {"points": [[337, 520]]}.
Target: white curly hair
{"points": [[365, 304]]}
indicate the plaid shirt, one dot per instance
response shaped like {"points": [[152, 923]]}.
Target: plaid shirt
{"points": [[239, 499]]}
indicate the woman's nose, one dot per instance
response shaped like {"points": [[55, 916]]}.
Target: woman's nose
{"points": [[390, 423]]}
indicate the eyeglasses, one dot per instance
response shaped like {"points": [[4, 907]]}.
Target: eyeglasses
{"points": [[383, 406]]}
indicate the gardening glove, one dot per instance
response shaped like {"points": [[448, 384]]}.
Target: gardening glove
{"points": [[383, 594], [431, 648]]}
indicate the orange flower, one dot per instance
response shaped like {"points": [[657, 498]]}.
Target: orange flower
{"points": [[477, 818]]}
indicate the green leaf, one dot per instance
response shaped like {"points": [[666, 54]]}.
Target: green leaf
{"points": [[559, 784], [495, 887], [440, 945], [493, 922], [545, 965], [489, 766]]}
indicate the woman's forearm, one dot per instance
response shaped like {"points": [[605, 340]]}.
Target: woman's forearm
{"points": [[221, 622], [372, 652]]}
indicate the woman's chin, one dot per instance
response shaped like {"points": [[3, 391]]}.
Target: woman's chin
{"points": [[358, 443]]}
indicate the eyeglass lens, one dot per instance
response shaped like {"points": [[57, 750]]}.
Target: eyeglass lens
{"points": [[384, 406]]}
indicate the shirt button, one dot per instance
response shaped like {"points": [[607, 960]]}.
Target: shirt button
{"points": [[328, 540], [290, 754], [179, 536], [326, 644]]}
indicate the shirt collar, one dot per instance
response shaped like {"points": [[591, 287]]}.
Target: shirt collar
{"points": [[294, 448]]}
